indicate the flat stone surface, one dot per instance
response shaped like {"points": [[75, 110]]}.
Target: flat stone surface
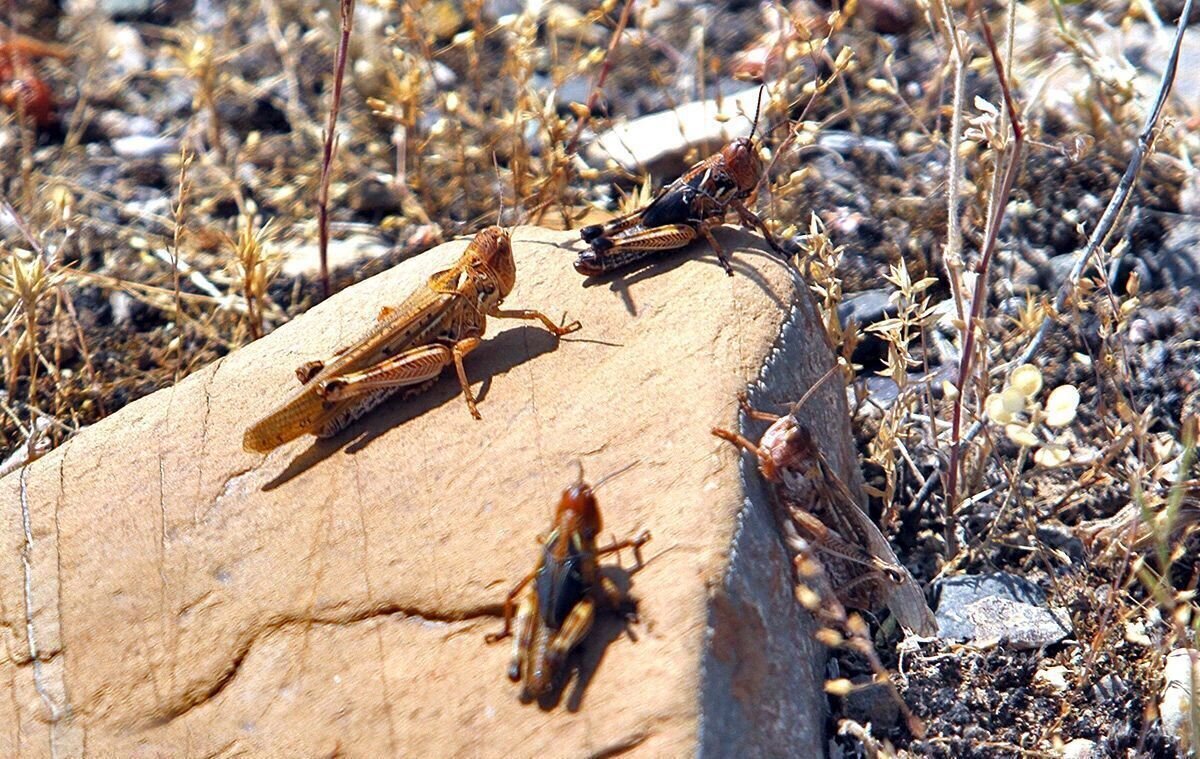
{"points": [[998, 608], [163, 592]]}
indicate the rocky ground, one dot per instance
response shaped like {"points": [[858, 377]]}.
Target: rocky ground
{"points": [[167, 217]]}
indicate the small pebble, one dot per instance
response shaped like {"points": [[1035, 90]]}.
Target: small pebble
{"points": [[142, 146], [998, 608], [1081, 748], [1181, 673], [1053, 677]]}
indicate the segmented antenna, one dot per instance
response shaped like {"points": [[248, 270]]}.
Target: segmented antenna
{"points": [[610, 475], [757, 109]]}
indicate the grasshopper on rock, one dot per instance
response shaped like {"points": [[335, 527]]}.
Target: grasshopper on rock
{"points": [[555, 604], [407, 349], [686, 209], [812, 505]]}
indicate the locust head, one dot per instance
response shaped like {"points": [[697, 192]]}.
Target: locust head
{"points": [[578, 513], [492, 261], [786, 445], [743, 163]]}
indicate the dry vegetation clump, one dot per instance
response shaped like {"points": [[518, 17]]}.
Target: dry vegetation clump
{"points": [[171, 217]]}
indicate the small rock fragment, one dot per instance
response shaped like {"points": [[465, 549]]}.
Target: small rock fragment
{"points": [[1081, 748], [1054, 677], [998, 608], [1180, 676], [142, 146]]}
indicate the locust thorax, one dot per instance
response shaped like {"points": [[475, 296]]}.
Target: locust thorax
{"points": [[578, 513], [493, 261], [743, 163], [788, 445]]}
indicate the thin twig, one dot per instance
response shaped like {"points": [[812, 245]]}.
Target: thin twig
{"points": [[1108, 219], [339, 74], [592, 102], [981, 277], [598, 87], [1116, 204]]}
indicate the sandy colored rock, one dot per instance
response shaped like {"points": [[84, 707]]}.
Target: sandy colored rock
{"points": [[164, 593]]}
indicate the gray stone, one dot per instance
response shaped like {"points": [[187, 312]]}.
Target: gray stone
{"points": [[1180, 676], [1081, 748], [998, 608]]}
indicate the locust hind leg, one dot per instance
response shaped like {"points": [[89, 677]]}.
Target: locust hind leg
{"points": [[526, 623], [309, 369], [411, 367], [611, 227], [573, 630], [607, 254]]}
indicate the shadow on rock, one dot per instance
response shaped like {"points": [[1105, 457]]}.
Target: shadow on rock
{"points": [[584, 661], [495, 357]]}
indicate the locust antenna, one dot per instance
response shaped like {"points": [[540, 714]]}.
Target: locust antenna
{"points": [[611, 475], [812, 390], [757, 110], [500, 188]]}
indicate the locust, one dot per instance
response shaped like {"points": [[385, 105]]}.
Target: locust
{"points": [[555, 605], [408, 347], [815, 510], [20, 86], [688, 208]]}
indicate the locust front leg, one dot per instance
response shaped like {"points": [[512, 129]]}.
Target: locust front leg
{"points": [[722, 256], [525, 313], [750, 220], [635, 543], [764, 461]]}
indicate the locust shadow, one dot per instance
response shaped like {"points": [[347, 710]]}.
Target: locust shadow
{"points": [[495, 357], [583, 663], [739, 241]]}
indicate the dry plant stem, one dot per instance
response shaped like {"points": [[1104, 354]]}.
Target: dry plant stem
{"points": [[605, 67], [974, 322], [593, 99], [339, 75], [1120, 196], [953, 256], [177, 235], [1104, 227]]}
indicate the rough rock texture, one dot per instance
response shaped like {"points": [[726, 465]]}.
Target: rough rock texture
{"points": [[163, 592]]}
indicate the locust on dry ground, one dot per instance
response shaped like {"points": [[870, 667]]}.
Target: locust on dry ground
{"points": [[409, 346]]}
